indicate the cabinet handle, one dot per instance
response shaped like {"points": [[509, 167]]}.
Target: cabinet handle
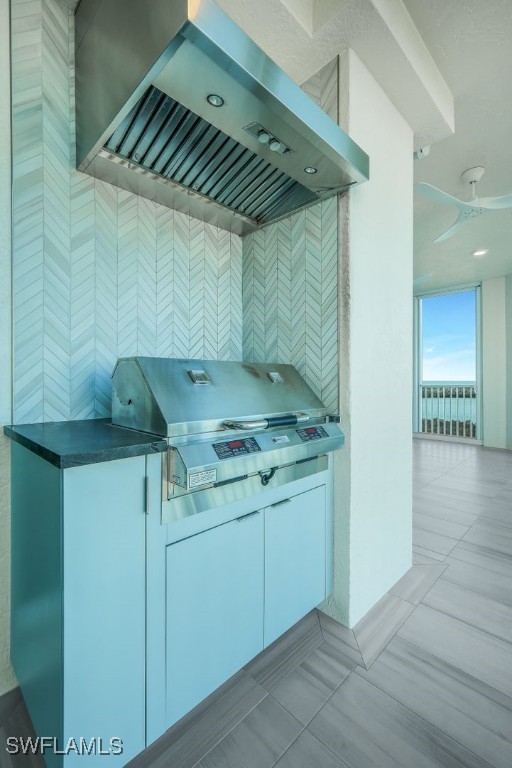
{"points": [[146, 495], [281, 503], [245, 517]]}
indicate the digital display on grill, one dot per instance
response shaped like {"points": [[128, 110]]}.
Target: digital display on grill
{"points": [[233, 448], [311, 433]]}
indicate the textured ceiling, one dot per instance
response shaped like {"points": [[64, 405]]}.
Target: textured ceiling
{"points": [[471, 43], [280, 27], [304, 35]]}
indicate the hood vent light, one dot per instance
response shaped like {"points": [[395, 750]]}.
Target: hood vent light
{"points": [[215, 100]]}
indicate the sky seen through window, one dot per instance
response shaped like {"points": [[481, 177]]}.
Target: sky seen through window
{"points": [[449, 337]]}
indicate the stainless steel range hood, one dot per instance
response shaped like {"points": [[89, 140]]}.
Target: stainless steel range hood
{"points": [[144, 72]]}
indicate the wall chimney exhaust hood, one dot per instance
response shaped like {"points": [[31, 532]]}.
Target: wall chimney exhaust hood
{"points": [[177, 104]]}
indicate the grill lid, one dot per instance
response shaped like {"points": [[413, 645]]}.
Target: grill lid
{"points": [[172, 397]]}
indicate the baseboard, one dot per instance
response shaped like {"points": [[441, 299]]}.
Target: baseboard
{"points": [[446, 438]]}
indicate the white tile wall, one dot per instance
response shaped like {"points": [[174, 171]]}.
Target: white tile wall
{"points": [[98, 272], [290, 281]]}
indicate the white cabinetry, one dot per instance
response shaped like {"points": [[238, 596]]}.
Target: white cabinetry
{"points": [[122, 624], [78, 638], [233, 589], [214, 607], [295, 557]]}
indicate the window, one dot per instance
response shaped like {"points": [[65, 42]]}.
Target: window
{"points": [[446, 391]]}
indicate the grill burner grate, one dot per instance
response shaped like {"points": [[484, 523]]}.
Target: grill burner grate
{"points": [[231, 426]]}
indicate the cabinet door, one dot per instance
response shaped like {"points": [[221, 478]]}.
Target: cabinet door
{"points": [[295, 577], [104, 605], [214, 609]]}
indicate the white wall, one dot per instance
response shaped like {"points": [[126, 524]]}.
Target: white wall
{"points": [[494, 363], [7, 679], [508, 322], [374, 473]]}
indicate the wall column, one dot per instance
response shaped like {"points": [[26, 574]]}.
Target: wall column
{"points": [[494, 363], [373, 485]]}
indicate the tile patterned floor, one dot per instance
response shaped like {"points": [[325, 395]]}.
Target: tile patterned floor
{"points": [[423, 681]]}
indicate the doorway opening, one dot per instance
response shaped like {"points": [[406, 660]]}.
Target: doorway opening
{"points": [[447, 391]]}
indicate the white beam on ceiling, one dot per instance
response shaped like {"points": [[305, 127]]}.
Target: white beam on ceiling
{"points": [[304, 35]]}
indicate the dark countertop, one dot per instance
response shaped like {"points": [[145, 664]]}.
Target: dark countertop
{"points": [[75, 443]]}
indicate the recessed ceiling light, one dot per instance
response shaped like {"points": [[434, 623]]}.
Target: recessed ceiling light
{"points": [[310, 169], [215, 100], [480, 252]]}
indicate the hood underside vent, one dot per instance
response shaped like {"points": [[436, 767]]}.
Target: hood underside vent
{"points": [[161, 136], [175, 103]]}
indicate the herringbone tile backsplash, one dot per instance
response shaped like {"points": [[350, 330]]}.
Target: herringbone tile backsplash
{"points": [[100, 273]]}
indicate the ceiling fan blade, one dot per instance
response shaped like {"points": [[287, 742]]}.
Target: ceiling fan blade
{"points": [[462, 218], [495, 203], [438, 196]]}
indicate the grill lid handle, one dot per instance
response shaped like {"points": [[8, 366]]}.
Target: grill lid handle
{"points": [[272, 421]]}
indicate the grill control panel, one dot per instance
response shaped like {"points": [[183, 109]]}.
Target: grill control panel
{"points": [[311, 433], [238, 447]]}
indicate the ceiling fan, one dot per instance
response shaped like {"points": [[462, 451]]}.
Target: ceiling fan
{"points": [[468, 209]]}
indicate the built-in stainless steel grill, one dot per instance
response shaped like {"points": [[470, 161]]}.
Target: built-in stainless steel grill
{"points": [[231, 427]]}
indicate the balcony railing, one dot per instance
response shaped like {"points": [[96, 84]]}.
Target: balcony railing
{"points": [[449, 408]]}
